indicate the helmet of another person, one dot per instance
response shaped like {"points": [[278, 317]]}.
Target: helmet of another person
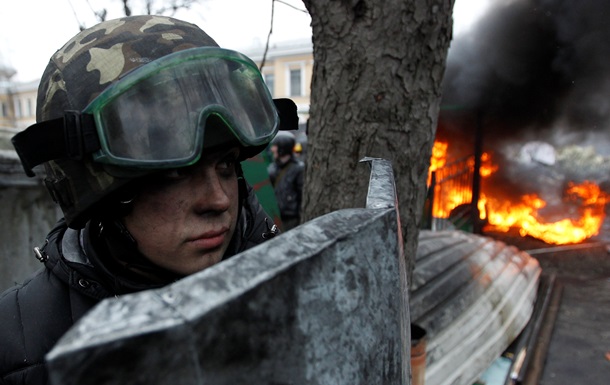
{"points": [[285, 142], [136, 95]]}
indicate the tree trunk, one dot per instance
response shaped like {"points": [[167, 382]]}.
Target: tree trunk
{"points": [[376, 91]]}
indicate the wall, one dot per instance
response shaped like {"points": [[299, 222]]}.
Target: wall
{"points": [[27, 213]]}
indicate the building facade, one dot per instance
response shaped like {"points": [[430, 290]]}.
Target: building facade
{"points": [[17, 101], [287, 70]]}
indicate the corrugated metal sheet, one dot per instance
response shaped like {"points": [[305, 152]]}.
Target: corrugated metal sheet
{"points": [[473, 295]]}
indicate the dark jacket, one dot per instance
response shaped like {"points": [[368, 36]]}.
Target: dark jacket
{"points": [[35, 314], [287, 181]]}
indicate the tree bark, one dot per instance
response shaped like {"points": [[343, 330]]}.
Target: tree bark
{"points": [[376, 91]]}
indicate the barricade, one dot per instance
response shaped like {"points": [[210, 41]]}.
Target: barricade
{"points": [[324, 303]]}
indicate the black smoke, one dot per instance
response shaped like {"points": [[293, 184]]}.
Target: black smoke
{"points": [[535, 68]]}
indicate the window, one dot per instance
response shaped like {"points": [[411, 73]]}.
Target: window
{"points": [[296, 88], [270, 82], [4, 110], [29, 109], [18, 108]]}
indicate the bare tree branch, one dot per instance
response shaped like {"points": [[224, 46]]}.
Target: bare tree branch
{"points": [[174, 6], [271, 28], [268, 37], [293, 7], [170, 9], [126, 8], [81, 26]]}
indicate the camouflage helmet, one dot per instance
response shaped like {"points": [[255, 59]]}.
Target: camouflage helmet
{"points": [[90, 62]]}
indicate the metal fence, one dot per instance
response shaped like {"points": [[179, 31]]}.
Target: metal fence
{"points": [[449, 201]]}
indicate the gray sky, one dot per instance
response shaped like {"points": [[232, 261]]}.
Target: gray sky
{"points": [[32, 30]]}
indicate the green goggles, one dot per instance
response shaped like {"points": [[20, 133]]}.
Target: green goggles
{"points": [[155, 117]]}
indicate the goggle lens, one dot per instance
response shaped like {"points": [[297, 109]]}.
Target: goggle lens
{"points": [[156, 116]]}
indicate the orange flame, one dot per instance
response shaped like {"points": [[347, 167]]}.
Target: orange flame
{"points": [[503, 215], [448, 199], [438, 158], [487, 168], [439, 155]]}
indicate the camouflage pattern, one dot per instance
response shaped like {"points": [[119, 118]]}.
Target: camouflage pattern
{"points": [[78, 72]]}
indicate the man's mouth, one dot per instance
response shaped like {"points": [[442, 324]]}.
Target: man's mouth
{"points": [[209, 240]]}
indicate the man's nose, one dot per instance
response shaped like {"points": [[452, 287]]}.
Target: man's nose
{"points": [[211, 192]]}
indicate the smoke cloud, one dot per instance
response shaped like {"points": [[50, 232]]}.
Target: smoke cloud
{"points": [[534, 67]]}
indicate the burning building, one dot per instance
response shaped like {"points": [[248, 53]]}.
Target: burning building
{"points": [[526, 89]]}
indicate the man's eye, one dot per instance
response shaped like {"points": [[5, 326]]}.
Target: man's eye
{"points": [[227, 163], [229, 160]]}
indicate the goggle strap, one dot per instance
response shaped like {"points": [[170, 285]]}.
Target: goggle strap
{"points": [[42, 142], [287, 111], [80, 134], [71, 136]]}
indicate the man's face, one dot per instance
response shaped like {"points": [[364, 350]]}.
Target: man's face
{"points": [[183, 220], [273, 149]]}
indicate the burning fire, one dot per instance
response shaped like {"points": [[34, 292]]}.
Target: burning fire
{"points": [[439, 155], [503, 215], [438, 158]]}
